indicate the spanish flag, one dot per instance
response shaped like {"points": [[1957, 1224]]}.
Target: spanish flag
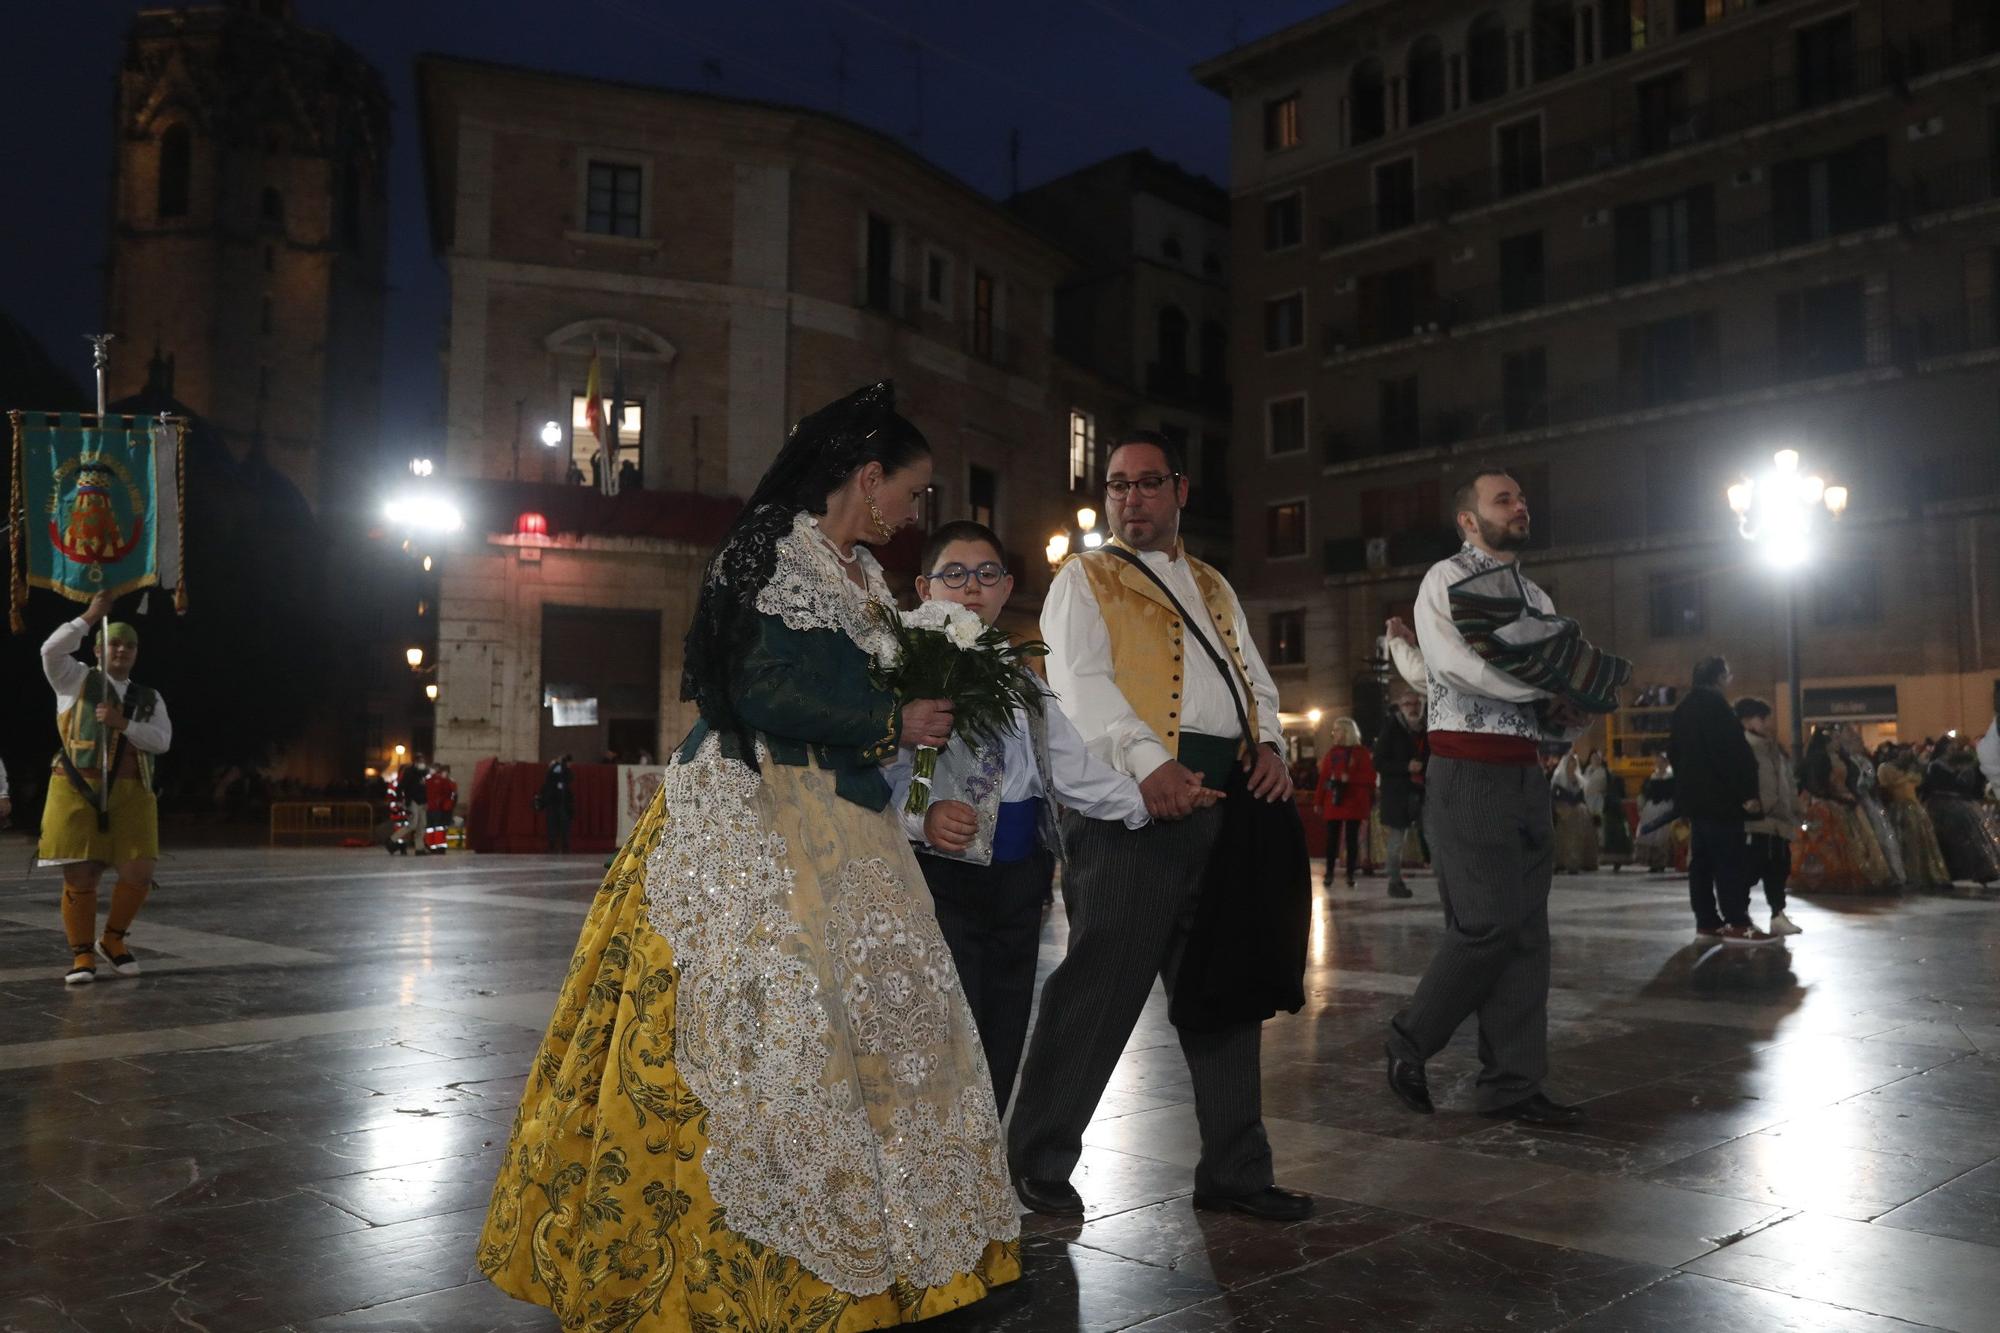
{"points": [[593, 411]]}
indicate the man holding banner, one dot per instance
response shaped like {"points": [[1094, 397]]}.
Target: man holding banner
{"points": [[111, 727], [96, 513]]}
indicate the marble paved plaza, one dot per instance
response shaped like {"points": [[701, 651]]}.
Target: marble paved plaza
{"points": [[293, 1119]]}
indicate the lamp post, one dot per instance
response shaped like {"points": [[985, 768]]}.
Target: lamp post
{"points": [[1778, 512], [1059, 545]]}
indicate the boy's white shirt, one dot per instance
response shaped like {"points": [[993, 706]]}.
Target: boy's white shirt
{"points": [[1083, 782]]}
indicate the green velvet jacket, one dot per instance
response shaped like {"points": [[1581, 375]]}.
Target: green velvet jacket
{"points": [[810, 697]]}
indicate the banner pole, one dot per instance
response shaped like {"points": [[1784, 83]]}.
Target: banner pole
{"points": [[100, 360]]}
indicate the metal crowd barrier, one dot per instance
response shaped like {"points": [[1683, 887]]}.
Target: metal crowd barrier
{"points": [[335, 820]]}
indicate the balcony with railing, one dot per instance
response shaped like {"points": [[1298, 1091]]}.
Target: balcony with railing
{"points": [[1664, 382], [1636, 138], [1521, 292]]}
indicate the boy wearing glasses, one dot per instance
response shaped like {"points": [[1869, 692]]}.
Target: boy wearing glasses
{"points": [[988, 843]]}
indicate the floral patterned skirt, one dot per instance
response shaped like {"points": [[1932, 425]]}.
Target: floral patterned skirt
{"points": [[1576, 838], [1838, 852], [760, 1103]]}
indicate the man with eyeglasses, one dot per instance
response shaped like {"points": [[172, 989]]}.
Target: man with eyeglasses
{"points": [[1151, 703]]}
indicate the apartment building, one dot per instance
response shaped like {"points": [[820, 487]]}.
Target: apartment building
{"points": [[1628, 249]]}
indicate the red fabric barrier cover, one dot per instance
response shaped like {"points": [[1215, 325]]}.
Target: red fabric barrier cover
{"points": [[504, 818]]}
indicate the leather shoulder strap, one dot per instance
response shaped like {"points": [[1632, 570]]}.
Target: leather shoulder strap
{"points": [[1194, 628]]}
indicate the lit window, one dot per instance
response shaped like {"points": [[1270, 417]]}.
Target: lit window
{"points": [[1281, 123], [583, 444], [1285, 529], [1082, 451]]}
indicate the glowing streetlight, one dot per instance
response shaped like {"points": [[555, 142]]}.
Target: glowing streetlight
{"points": [[1057, 549], [1086, 518], [551, 434], [415, 657], [1093, 540], [1778, 512], [1313, 715], [424, 511], [400, 752], [431, 692]]}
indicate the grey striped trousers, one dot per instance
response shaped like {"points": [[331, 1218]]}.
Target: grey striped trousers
{"points": [[1130, 895], [1492, 836]]}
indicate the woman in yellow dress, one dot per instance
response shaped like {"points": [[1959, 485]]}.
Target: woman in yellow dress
{"points": [[761, 1102]]}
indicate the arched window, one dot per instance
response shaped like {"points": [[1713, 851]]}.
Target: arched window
{"points": [[1173, 340], [1214, 352], [1554, 39], [1425, 73], [1364, 95], [1486, 58], [176, 166], [273, 208]]}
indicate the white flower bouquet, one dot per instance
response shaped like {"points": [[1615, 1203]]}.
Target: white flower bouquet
{"points": [[943, 650]]}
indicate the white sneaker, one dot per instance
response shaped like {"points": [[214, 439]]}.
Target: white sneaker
{"points": [[1784, 925]]}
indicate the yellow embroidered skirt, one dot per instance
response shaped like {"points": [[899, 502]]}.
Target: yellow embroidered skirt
{"points": [[70, 832], [760, 1103]]}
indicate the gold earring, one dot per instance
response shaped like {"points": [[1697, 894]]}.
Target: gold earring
{"points": [[882, 528]]}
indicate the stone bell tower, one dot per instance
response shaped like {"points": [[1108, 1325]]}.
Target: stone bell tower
{"points": [[249, 239]]}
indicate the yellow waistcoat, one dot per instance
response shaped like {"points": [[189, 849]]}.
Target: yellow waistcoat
{"points": [[1147, 647]]}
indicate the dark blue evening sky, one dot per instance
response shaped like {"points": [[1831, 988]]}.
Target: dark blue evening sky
{"points": [[1080, 80]]}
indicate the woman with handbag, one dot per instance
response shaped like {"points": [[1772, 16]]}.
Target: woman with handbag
{"points": [[1346, 793]]}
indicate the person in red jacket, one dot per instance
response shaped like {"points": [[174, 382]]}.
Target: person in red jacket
{"points": [[440, 800], [1346, 793]]}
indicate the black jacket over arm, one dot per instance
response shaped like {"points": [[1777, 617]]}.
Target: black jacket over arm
{"points": [[1715, 771]]}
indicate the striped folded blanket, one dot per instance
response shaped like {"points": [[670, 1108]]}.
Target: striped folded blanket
{"points": [[1548, 652]]}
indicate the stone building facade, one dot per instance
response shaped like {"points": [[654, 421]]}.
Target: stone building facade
{"points": [[746, 263], [250, 233], [1629, 249], [1142, 323]]}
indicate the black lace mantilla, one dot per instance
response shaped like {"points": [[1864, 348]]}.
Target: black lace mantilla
{"points": [[819, 453]]}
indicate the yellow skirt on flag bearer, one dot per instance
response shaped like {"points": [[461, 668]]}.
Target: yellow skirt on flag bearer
{"points": [[70, 831]]}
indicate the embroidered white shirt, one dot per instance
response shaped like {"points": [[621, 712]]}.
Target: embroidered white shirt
{"points": [[1467, 693], [66, 675], [1080, 670]]}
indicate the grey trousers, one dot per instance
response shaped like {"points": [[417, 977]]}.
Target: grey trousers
{"points": [[1130, 896], [1492, 836]]}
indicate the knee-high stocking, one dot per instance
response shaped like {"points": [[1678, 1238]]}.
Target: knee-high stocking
{"points": [[126, 900]]}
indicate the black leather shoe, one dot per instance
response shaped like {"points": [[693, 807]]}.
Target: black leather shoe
{"points": [[1270, 1203], [1054, 1197], [1407, 1082], [1539, 1110]]}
